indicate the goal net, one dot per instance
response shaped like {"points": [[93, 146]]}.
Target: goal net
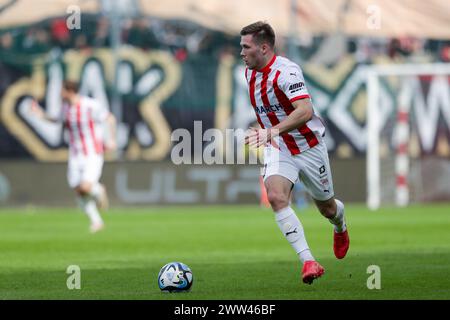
{"points": [[408, 134]]}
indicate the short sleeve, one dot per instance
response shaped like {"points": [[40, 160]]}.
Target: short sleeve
{"points": [[292, 83]]}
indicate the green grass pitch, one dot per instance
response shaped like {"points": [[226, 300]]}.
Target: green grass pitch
{"points": [[235, 252]]}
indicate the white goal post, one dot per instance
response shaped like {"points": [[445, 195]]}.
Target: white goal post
{"points": [[401, 130]]}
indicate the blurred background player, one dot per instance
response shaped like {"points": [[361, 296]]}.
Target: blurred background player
{"points": [[284, 111], [84, 118]]}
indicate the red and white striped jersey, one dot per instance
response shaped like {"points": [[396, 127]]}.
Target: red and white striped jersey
{"points": [[84, 121], [272, 91]]}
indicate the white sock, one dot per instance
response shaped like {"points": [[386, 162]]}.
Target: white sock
{"points": [[292, 229], [88, 205], [306, 255], [339, 219], [96, 190]]}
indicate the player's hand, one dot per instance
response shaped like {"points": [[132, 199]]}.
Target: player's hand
{"points": [[257, 137], [111, 145]]}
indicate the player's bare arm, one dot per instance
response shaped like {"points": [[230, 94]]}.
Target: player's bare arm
{"points": [[111, 144], [303, 112]]}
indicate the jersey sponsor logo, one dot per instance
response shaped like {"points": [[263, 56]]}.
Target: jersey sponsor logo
{"points": [[267, 109], [296, 86]]}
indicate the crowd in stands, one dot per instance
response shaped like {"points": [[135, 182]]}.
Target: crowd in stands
{"points": [[181, 37], [184, 38]]}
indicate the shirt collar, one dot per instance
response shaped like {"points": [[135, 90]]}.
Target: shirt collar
{"points": [[267, 67]]}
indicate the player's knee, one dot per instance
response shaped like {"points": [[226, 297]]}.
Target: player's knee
{"points": [[328, 209], [84, 188], [78, 191], [278, 200]]}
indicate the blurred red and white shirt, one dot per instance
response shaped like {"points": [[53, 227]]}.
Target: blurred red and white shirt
{"points": [[85, 121]]}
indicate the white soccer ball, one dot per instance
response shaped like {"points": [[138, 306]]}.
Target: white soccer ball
{"points": [[175, 277]]}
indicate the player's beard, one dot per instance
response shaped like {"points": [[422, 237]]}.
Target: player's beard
{"points": [[250, 66]]}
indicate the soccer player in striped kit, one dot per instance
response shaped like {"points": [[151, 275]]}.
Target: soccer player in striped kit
{"points": [[293, 138], [84, 118]]}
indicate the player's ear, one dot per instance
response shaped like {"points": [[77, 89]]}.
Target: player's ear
{"points": [[264, 48]]}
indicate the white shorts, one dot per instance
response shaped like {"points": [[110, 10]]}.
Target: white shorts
{"points": [[311, 166], [84, 169]]}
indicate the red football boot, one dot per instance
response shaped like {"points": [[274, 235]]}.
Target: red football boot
{"points": [[311, 270], [341, 244]]}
